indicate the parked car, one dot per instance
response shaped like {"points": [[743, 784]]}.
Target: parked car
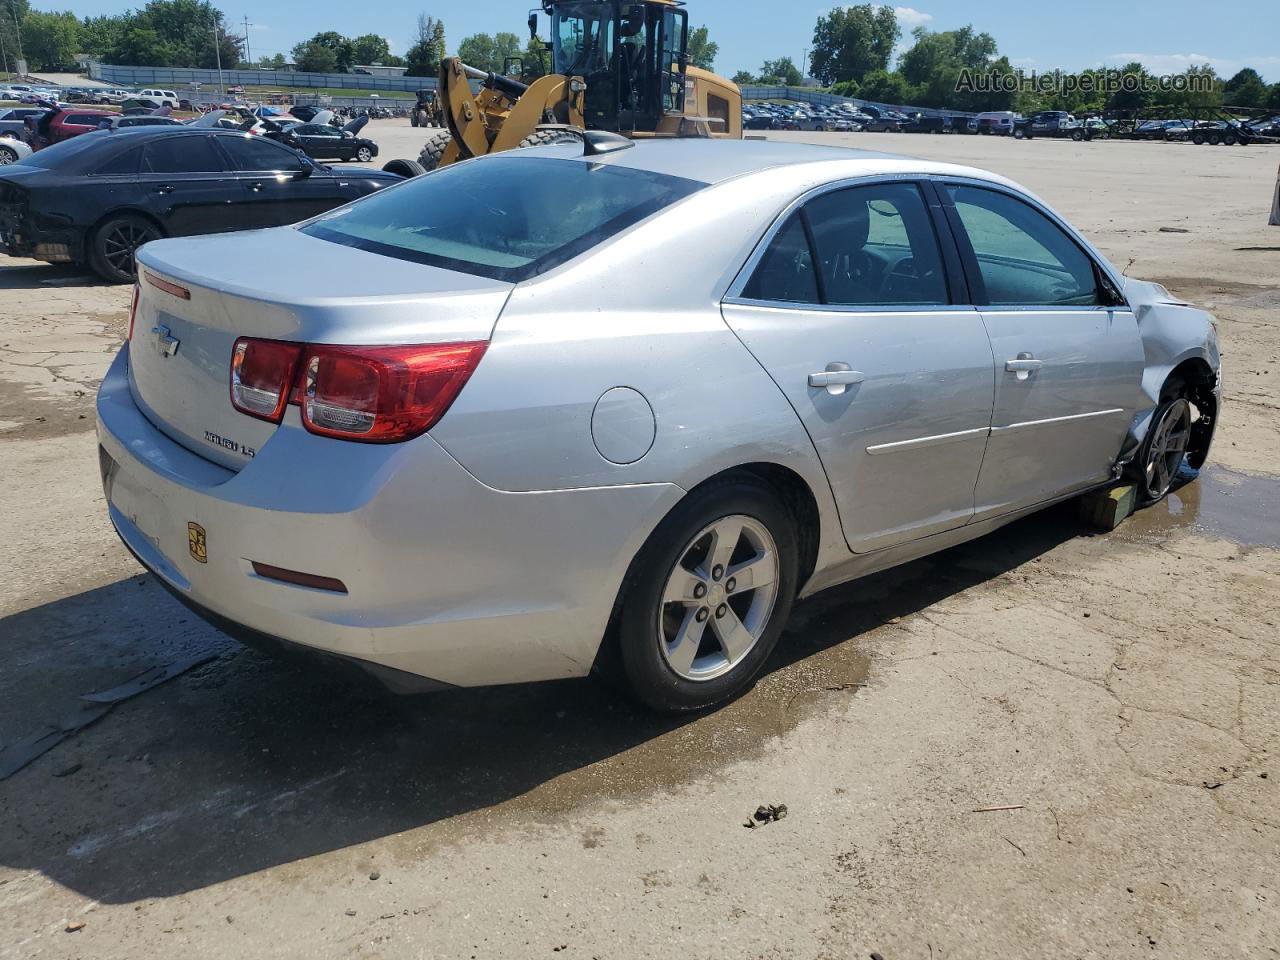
{"points": [[1050, 123], [996, 123], [63, 122], [164, 98], [394, 501], [760, 121], [138, 105], [114, 96], [884, 121], [919, 123], [13, 120], [13, 151], [95, 199], [323, 142], [119, 121]]}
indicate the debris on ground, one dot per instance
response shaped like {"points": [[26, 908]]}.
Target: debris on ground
{"points": [[375, 875], [94, 707], [766, 813], [74, 926], [1011, 806]]}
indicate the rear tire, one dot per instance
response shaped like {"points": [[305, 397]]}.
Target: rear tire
{"points": [[8, 155], [114, 243], [405, 168], [545, 138], [433, 150], [674, 655], [364, 155], [1077, 135]]}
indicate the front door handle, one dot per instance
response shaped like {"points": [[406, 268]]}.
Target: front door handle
{"points": [[836, 378], [164, 189], [256, 187], [1024, 365]]}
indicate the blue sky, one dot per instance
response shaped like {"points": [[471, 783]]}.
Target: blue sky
{"points": [[1167, 36]]}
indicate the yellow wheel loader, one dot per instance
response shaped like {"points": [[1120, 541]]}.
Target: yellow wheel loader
{"points": [[617, 65]]}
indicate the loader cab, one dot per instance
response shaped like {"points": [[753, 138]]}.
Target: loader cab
{"points": [[632, 55]]}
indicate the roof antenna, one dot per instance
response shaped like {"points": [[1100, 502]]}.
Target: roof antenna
{"points": [[597, 142]]}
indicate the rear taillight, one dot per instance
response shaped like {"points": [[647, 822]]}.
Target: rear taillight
{"points": [[383, 394], [262, 374], [370, 394], [133, 309]]}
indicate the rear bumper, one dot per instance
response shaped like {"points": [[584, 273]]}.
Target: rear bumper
{"points": [[447, 578]]}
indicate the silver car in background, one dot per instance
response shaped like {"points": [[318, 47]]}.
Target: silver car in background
{"points": [[552, 410]]}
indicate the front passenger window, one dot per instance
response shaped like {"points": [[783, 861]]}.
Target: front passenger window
{"points": [[1025, 259]]}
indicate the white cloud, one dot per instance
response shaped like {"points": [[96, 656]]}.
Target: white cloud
{"points": [[910, 18], [1167, 63]]}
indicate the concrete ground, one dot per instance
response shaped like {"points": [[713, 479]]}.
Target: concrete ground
{"points": [[1119, 693]]}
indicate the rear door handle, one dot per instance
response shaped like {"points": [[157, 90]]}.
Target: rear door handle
{"points": [[164, 188], [1024, 365], [836, 378]]}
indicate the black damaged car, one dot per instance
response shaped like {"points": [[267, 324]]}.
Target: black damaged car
{"points": [[96, 198]]}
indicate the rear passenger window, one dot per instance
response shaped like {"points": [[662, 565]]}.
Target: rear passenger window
{"points": [[182, 155], [125, 163], [785, 272], [1025, 259], [876, 246]]}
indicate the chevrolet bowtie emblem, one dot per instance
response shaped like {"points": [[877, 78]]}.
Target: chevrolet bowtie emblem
{"points": [[166, 344]]}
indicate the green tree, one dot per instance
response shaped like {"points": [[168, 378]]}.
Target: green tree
{"points": [[702, 50], [489, 53], [850, 42], [140, 46], [743, 77], [783, 71], [274, 62], [343, 53], [12, 12], [1138, 93], [1245, 89], [50, 40], [370, 48], [1273, 97], [882, 86], [100, 34], [428, 49], [536, 60], [933, 53], [314, 57], [188, 29]]}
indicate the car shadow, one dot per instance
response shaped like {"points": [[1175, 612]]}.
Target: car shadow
{"points": [[34, 275], [251, 762]]}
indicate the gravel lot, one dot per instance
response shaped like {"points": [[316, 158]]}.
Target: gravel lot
{"points": [[1121, 691]]}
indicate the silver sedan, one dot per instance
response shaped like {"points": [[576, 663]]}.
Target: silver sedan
{"points": [[555, 410]]}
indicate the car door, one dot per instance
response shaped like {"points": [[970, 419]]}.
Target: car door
{"points": [[1068, 355], [277, 185], [320, 140], [855, 307], [187, 186]]}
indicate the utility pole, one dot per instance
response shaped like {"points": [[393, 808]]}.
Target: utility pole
{"points": [[217, 52], [17, 29], [248, 57]]}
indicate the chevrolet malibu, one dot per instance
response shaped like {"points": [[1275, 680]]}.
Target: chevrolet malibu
{"points": [[620, 405]]}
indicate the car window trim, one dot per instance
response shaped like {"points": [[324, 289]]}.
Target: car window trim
{"points": [[189, 174], [956, 292], [973, 271]]}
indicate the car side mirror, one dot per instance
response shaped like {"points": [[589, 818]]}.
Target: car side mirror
{"points": [[533, 26], [305, 170]]}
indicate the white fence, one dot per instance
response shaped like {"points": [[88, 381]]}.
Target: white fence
{"points": [[172, 77]]}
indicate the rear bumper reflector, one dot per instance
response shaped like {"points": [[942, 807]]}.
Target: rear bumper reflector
{"points": [[269, 572], [182, 293]]}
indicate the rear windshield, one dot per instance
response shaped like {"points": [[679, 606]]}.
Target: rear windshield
{"points": [[507, 218]]}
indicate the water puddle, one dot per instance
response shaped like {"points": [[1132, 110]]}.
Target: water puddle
{"points": [[1241, 507]]}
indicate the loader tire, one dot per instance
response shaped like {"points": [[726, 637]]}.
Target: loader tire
{"points": [[545, 138], [434, 149]]}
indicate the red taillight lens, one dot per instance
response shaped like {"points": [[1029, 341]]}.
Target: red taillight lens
{"points": [[133, 309], [383, 394], [262, 374]]}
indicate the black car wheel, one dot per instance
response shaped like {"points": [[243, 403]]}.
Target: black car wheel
{"points": [[114, 243], [364, 154]]}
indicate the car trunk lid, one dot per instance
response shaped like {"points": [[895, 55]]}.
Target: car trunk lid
{"points": [[198, 295]]}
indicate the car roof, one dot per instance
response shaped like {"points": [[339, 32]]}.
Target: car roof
{"points": [[713, 161]]}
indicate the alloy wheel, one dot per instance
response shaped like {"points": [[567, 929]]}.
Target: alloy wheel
{"points": [[719, 598], [119, 246], [1169, 440]]}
